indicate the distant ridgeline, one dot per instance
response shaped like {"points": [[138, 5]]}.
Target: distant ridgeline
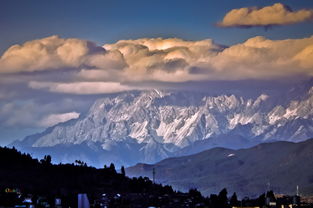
{"points": [[36, 179], [283, 165]]}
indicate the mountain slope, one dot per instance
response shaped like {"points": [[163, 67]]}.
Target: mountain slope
{"points": [[148, 126], [247, 171]]}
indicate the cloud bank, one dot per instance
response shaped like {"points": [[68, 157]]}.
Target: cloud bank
{"points": [[33, 113], [277, 14], [54, 53], [81, 87], [54, 119], [90, 69]]}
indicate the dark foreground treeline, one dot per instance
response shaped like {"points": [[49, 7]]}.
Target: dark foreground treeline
{"points": [[41, 179]]}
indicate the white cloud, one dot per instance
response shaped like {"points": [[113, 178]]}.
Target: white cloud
{"points": [[277, 14], [81, 87], [175, 60], [123, 65], [12, 114], [261, 58], [54, 119], [29, 113], [57, 53]]}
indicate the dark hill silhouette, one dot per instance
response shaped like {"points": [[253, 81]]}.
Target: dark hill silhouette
{"points": [[246, 171], [35, 177], [44, 180]]}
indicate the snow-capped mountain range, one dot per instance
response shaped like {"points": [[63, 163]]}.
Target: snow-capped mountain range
{"points": [[147, 126]]}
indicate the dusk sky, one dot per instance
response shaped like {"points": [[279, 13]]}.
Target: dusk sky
{"points": [[109, 21], [70, 52]]}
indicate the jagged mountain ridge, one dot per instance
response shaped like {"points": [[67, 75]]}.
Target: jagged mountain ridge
{"points": [[153, 125]]}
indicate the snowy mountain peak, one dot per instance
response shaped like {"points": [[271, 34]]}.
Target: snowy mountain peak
{"points": [[158, 123]]}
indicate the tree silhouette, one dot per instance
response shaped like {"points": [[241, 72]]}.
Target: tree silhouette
{"points": [[34, 177], [222, 198], [80, 163], [194, 193], [123, 171], [46, 160], [112, 168], [214, 201], [234, 200], [261, 200]]}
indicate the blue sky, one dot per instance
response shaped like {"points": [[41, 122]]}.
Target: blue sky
{"points": [[106, 21], [38, 90]]}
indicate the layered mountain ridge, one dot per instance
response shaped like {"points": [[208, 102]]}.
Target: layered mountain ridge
{"points": [[281, 165], [147, 126]]}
